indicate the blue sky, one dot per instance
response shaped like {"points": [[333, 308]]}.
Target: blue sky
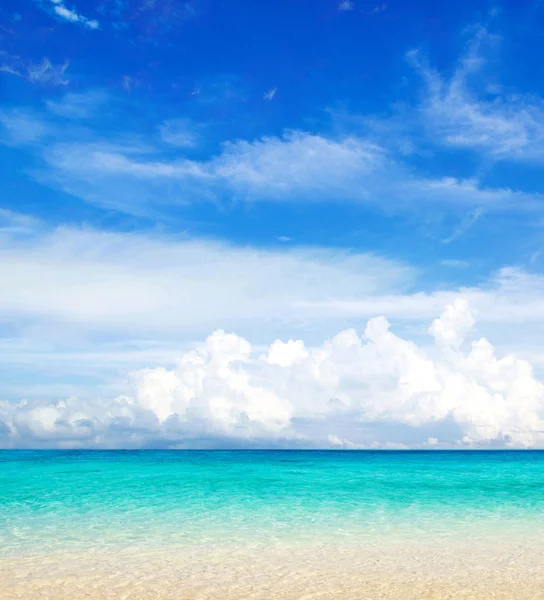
{"points": [[163, 83], [282, 170]]}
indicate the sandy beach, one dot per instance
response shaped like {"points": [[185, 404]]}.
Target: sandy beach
{"points": [[512, 570]]}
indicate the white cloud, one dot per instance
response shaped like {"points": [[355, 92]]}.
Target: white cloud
{"points": [[467, 223], [299, 162], [140, 176], [379, 8], [220, 393], [47, 73], [79, 308], [121, 283], [337, 442], [468, 111], [455, 263], [44, 73], [80, 283], [453, 325], [20, 127], [463, 193], [72, 16], [12, 223], [179, 132], [128, 83], [286, 354], [295, 167], [269, 95], [78, 105], [509, 305]]}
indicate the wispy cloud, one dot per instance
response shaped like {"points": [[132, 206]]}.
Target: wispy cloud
{"points": [[139, 176], [78, 106], [220, 89], [464, 111], [44, 72], [81, 280], [149, 20], [60, 10], [269, 95], [13, 223], [179, 132], [346, 5], [455, 263], [47, 73], [128, 83], [297, 167], [379, 8], [9, 67], [467, 223], [20, 127]]}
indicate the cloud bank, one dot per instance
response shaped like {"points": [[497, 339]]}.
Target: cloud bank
{"points": [[352, 391]]}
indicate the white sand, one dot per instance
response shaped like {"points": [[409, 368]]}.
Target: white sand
{"points": [[477, 570]]}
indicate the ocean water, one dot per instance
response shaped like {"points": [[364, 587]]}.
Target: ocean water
{"points": [[283, 510], [56, 498]]}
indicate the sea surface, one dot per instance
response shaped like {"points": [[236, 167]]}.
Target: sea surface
{"points": [[416, 515]]}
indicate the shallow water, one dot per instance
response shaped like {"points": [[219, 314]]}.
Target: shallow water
{"points": [[248, 524]]}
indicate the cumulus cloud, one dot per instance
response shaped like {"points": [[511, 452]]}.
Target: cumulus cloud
{"points": [[451, 328], [222, 393], [286, 354], [79, 308]]}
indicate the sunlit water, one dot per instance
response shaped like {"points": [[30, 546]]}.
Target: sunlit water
{"points": [[361, 513]]}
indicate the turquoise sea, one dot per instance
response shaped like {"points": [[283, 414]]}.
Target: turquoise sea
{"points": [[100, 499]]}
